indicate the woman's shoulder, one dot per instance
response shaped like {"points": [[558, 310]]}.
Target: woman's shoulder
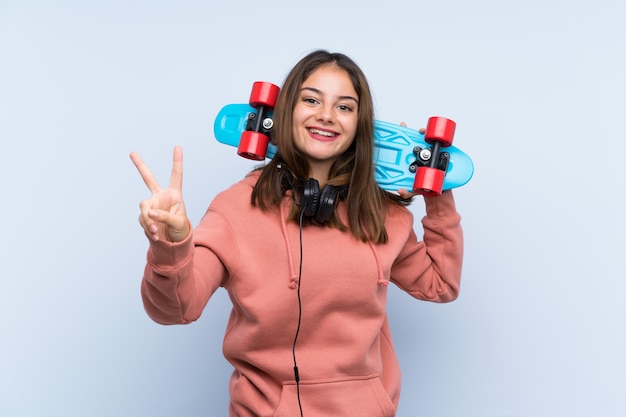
{"points": [[398, 214], [251, 179]]}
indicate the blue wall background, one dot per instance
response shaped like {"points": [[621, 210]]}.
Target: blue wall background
{"points": [[536, 87]]}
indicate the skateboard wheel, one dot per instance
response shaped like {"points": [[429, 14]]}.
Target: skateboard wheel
{"points": [[264, 94], [428, 181], [440, 129], [253, 145]]}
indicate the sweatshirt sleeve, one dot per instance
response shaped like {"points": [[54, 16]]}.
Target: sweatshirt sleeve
{"points": [[431, 269], [180, 278]]}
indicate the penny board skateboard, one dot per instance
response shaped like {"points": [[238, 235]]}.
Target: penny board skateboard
{"points": [[404, 157]]}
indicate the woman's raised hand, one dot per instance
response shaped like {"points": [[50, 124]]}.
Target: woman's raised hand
{"points": [[163, 216]]}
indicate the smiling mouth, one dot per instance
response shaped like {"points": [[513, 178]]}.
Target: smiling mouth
{"points": [[322, 134]]}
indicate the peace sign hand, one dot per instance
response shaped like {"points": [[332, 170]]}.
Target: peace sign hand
{"points": [[163, 216]]}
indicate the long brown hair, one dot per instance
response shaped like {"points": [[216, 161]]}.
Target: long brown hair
{"points": [[366, 202]]}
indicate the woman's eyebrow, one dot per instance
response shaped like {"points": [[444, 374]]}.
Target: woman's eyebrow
{"points": [[317, 91]]}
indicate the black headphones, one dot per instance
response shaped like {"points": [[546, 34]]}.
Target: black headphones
{"points": [[316, 203], [321, 204]]}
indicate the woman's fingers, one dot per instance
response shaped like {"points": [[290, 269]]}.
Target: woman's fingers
{"points": [[176, 180], [421, 129], [163, 215], [152, 230], [175, 226], [147, 219], [160, 224], [404, 193], [144, 171]]}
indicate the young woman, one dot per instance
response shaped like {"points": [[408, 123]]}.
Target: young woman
{"points": [[305, 247]]}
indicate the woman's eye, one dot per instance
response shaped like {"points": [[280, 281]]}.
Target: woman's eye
{"points": [[344, 107], [310, 100]]}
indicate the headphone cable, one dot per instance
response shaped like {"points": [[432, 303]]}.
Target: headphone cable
{"points": [[295, 339]]}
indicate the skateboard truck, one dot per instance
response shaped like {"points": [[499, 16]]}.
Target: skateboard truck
{"points": [[424, 156], [254, 140], [431, 164]]}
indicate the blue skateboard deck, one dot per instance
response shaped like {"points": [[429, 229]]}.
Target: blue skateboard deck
{"points": [[396, 154]]}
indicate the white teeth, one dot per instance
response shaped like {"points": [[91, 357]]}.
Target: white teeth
{"points": [[322, 132]]}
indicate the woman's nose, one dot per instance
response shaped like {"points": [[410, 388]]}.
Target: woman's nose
{"points": [[325, 113]]}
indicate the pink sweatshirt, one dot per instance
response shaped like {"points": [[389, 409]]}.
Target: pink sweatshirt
{"points": [[345, 354]]}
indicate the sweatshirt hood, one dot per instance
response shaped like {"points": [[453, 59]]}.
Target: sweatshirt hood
{"points": [[285, 207]]}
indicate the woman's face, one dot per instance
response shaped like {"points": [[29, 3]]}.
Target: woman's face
{"points": [[325, 118]]}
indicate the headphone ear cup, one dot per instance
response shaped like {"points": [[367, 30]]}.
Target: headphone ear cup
{"points": [[326, 204], [310, 197]]}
